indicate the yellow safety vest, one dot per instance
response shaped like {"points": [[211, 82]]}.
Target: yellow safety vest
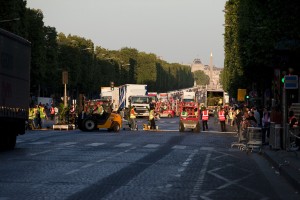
{"points": [[151, 114], [31, 113], [42, 113]]}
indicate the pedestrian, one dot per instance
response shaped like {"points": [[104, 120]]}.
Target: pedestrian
{"points": [[31, 118], [37, 118], [251, 119], [152, 119], [132, 116], [265, 125], [222, 119], [56, 115], [216, 115], [238, 120], [204, 118], [52, 112], [293, 123], [233, 117], [256, 116], [230, 117]]}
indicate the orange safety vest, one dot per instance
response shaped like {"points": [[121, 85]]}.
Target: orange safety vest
{"points": [[205, 115], [221, 115], [132, 113], [52, 111]]}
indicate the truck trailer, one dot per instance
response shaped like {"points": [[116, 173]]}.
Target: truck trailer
{"points": [[214, 98], [134, 95], [111, 95], [15, 55]]}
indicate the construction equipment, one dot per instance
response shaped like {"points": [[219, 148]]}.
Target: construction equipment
{"points": [[90, 120], [189, 117]]}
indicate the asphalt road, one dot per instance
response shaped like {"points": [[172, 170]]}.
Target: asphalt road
{"points": [[163, 164]]}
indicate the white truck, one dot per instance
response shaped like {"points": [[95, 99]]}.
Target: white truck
{"points": [[134, 95], [188, 96], [15, 55], [108, 93]]}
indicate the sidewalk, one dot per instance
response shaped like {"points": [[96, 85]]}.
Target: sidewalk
{"points": [[287, 164]]}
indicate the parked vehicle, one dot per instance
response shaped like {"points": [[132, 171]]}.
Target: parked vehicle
{"points": [[167, 113], [164, 109], [15, 54]]}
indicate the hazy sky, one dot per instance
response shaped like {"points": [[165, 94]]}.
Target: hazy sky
{"points": [[177, 30]]}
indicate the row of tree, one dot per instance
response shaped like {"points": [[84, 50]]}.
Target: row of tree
{"points": [[260, 36], [89, 67]]}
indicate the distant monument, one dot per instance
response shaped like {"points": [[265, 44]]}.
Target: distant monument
{"points": [[210, 70], [197, 65]]}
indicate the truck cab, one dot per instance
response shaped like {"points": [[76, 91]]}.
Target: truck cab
{"points": [[142, 104]]}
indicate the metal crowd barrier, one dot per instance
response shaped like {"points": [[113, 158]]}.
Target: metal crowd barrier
{"points": [[275, 130]]}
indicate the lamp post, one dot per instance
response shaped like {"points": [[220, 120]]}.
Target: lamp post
{"points": [[65, 82]]}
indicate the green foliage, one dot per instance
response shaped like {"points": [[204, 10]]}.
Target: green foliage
{"points": [[254, 31], [89, 67], [201, 78]]}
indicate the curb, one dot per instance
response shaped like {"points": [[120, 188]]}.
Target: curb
{"points": [[285, 169]]}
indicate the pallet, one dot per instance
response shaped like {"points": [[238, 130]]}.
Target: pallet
{"points": [[63, 127]]}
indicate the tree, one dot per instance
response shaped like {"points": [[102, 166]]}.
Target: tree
{"points": [[201, 78]]}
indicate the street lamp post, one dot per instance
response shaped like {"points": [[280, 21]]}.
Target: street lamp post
{"points": [[65, 82]]}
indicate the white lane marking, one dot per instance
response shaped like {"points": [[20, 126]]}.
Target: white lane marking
{"points": [[67, 143], [179, 147], [199, 183], [151, 145], [101, 160], [38, 153], [96, 144], [46, 142], [72, 172], [87, 165], [123, 145], [186, 163]]}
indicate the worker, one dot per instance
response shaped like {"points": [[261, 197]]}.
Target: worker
{"points": [[221, 114], [99, 109], [151, 119], [31, 118], [52, 112], [37, 117], [204, 118], [31, 113], [184, 113], [132, 116]]}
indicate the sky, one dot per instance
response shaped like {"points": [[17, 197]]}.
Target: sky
{"points": [[178, 31]]}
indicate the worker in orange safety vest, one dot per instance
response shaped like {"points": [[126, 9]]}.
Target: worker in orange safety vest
{"points": [[204, 118], [222, 118], [132, 117]]}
